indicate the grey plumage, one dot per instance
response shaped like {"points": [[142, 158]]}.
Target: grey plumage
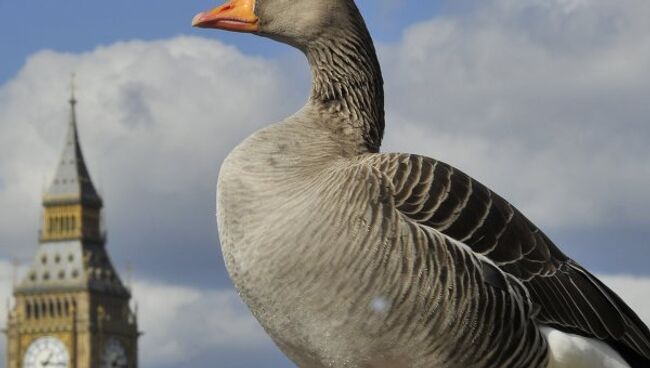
{"points": [[353, 258]]}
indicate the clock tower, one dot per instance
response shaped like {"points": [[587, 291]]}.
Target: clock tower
{"points": [[71, 309]]}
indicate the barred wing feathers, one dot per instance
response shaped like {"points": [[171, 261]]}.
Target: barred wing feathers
{"points": [[571, 299]]}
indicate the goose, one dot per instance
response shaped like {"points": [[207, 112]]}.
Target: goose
{"points": [[349, 257]]}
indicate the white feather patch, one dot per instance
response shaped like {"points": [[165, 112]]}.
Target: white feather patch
{"points": [[573, 351]]}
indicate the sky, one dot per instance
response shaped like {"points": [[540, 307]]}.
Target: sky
{"points": [[544, 101]]}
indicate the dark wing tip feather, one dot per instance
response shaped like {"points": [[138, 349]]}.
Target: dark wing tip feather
{"points": [[589, 308]]}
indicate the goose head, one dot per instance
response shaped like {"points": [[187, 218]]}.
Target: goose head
{"points": [[346, 76], [295, 22]]}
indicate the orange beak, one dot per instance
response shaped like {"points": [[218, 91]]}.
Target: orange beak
{"points": [[235, 15]]}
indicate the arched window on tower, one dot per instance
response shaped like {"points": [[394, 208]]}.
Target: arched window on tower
{"points": [[28, 309], [66, 307], [73, 223], [37, 310]]}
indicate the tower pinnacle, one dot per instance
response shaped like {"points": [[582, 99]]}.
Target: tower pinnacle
{"points": [[72, 183], [72, 204]]}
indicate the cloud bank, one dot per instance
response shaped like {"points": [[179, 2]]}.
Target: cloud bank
{"points": [[183, 323], [544, 100]]}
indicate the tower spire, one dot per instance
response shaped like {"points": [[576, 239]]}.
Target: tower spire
{"points": [[72, 204], [72, 183]]}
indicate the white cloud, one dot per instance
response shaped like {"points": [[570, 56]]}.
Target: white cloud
{"points": [[183, 322], [545, 101]]}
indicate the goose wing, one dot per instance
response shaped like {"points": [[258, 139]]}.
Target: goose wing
{"points": [[439, 196]]}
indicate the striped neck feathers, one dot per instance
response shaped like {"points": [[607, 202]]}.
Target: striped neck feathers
{"points": [[347, 83]]}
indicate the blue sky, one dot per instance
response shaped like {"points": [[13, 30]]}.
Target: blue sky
{"points": [[544, 101]]}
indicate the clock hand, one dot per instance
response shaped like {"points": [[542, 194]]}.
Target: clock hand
{"points": [[47, 360]]}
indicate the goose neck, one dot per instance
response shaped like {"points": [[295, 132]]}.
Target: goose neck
{"points": [[347, 85]]}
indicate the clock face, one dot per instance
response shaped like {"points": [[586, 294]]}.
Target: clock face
{"points": [[46, 352], [114, 355]]}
